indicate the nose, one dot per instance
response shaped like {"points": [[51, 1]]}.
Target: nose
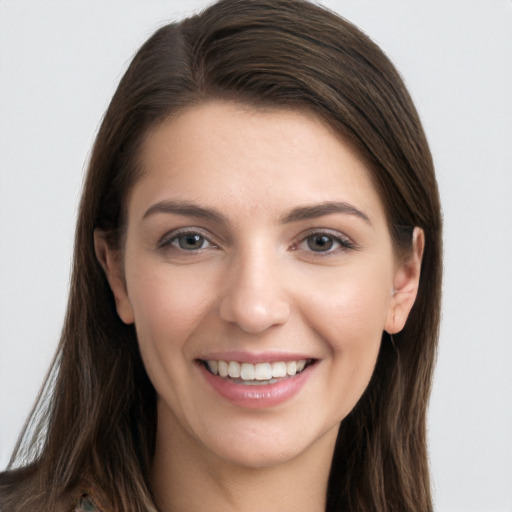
{"points": [[254, 298]]}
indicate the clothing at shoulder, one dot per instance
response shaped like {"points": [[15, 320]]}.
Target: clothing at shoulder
{"points": [[86, 504], [87, 498], [89, 502]]}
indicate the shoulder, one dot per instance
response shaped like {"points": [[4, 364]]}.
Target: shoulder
{"points": [[86, 503], [87, 499], [20, 491]]}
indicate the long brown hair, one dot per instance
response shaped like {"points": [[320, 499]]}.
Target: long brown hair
{"points": [[95, 418]]}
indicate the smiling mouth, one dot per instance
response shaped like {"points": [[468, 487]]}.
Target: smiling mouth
{"points": [[256, 374]]}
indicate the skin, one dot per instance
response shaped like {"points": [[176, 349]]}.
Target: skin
{"points": [[259, 281]]}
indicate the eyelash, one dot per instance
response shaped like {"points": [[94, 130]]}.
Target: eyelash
{"points": [[167, 240], [340, 242]]}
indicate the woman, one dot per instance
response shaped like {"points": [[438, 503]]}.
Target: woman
{"points": [[254, 306]]}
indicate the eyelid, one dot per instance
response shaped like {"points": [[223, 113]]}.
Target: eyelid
{"points": [[344, 241], [167, 238]]}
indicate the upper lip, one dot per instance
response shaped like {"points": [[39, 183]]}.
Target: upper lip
{"points": [[255, 357]]}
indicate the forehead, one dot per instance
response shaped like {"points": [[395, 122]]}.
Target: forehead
{"points": [[250, 160]]}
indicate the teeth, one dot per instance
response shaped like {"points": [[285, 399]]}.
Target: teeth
{"points": [[234, 369], [279, 369], [256, 372], [223, 368], [247, 371], [263, 371], [214, 367], [291, 368]]}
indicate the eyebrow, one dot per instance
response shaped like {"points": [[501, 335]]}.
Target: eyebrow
{"points": [[190, 209], [187, 209], [318, 210]]}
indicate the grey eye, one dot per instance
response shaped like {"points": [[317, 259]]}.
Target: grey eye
{"points": [[190, 242], [320, 243]]}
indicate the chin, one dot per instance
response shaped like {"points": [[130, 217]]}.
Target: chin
{"points": [[257, 448]]}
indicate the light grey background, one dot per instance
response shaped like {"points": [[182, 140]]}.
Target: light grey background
{"points": [[59, 64]]}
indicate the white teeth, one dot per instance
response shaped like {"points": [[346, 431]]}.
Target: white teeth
{"points": [[291, 368], [247, 371], [279, 369], [234, 369], [263, 371], [256, 372], [223, 368], [213, 366]]}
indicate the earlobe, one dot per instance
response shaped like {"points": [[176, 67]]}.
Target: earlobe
{"points": [[406, 283], [110, 261]]}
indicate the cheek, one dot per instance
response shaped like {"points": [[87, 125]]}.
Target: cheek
{"points": [[168, 305], [351, 306], [350, 323], [349, 318]]}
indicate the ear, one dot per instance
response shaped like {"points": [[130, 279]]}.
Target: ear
{"points": [[406, 283], [111, 261]]}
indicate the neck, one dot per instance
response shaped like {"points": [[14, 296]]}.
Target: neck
{"points": [[188, 478]]}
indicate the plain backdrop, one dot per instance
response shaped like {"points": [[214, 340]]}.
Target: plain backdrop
{"points": [[60, 62]]}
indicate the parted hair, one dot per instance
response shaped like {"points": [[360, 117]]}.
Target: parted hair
{"points": [[95, 418]]}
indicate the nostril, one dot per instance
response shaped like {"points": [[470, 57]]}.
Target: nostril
{"points": [[254, 313]]}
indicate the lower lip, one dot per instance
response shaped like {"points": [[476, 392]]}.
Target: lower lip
{"points": [[258, 396]]}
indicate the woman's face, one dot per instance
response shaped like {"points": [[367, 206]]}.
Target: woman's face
{"points": [[256, 246]]}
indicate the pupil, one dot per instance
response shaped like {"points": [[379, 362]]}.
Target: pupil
{"points": [[191, 242], [320, 243]]}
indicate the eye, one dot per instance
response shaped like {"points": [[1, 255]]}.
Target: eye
{"points": [[325, 243], [320, 242], [190, 241]]}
